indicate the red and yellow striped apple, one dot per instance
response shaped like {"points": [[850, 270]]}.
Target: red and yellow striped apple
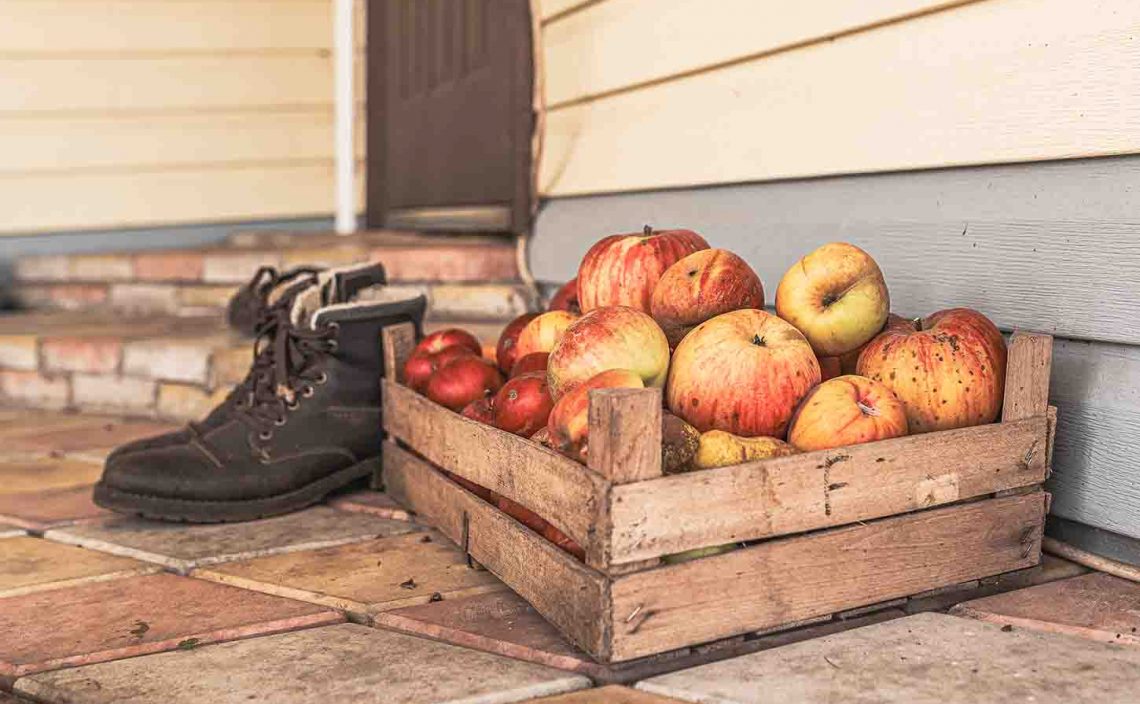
{"points": [[615, 337], [543, 333], [702, 286], [569, 423], [622, 270]]}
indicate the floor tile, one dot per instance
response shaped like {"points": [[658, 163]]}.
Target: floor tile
{"points": [[135, 616], [32, 564], [926, 658], [613, 694], [376, 503], [345, 663], [182, 547], [42, 510], [364, 578], [75, 433], [18, 476], [1096, 606]]}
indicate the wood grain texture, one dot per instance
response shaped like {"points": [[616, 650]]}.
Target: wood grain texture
{"points": [[616, 44], [935, 100], [795, 578], [625, 434], [559, 489], [566, 592], [397, 343], [1028, 365], [822, 489]]}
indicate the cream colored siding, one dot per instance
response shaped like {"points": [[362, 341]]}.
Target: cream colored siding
{"points": [[985, 82], [120, 113]]}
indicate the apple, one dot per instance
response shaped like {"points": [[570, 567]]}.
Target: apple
{"points": [[846, 410], [622, 270], [522, 514], [679, 443], [830, 367], [543, 333], [566, 298], [743, 372], [679, 557], [569, 422], [463, 380], [614, 337], [702, 286], [481, 409], [420, 366], [716, 448], [480, 491], [849, 361], [563, 541], [947, 369], [836, 297], [441, 339], [506, 352], [533, 362], [523, 404]]}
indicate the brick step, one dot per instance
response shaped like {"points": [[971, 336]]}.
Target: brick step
{"points": [[467, 277], [167, 367]]}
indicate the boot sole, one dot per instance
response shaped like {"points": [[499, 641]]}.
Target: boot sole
{"points": [[192, 511]]}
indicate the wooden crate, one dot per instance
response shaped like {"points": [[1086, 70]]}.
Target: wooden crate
{"points": [[828, 531]]}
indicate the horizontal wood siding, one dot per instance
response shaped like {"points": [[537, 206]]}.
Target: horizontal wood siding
{"points": [[119, 113], [979, 83]]}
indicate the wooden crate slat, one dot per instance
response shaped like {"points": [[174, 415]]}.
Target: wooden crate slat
{"points": [[790, 579], [823, 489], [1028, 363], [559, 489], [567, 593]]}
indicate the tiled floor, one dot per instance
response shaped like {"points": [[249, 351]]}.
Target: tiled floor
{"points": [[98, 608]]}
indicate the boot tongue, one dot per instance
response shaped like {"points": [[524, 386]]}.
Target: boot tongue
{"points": [[343, 286]]}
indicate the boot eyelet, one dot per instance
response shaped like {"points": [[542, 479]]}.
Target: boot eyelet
{"points": [[265, 435], [307, 392], [280, 421], [292, 405], [321, 379], [334, 327], [333, 345]]}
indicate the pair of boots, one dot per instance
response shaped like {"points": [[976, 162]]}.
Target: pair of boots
{"points": [[304, 421]]}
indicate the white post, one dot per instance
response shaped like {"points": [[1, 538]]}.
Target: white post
{"points": [[345, 116]]}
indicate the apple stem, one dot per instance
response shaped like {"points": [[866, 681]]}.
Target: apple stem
{"points": [[867, 410], [648, 230], [758, 341], [918, 324]]}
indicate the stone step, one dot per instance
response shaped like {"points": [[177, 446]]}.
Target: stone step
{"points": [[471, 277], [173, 368]]}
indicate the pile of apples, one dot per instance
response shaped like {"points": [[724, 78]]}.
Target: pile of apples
{"points": [[831, 367]]}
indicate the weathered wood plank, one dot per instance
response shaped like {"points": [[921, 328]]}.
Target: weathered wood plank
{"points": [[396, 343], [822, 489], [565, 493], [625, 434], [567, 593], [1028, 364], [795, 578]]}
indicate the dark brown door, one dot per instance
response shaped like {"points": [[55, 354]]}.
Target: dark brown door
{"points": [[450, 114]]}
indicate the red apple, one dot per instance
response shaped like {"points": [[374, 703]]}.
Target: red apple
{"points": [[743, 372], [830, 367], [482, 410], [533, 362], [622, 270], [563, 541], [522, 514], [846, 410], [543, 333], [566, 298], [420, 366], [506, 353], [948, 369], [463, 380], [702, 286], [482, 492], [615, 337], [441, 339], [836, 297], [569, 421], [523, 405]]}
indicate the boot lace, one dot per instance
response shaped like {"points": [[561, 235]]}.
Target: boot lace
{"points": [[283, 374]]}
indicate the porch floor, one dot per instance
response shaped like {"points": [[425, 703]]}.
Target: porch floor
{"points": [[352, 601]]}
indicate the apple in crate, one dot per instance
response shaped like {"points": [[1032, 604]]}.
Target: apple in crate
{"points": [[743, 372], [849, 362], [533, 362], [506, 351], [566, 298], [543, 333], [463, 380], [830, 367], [836, 297], [569, 423], [846, 410], [523, 405], [622, 270], [420, 366], [522, 514], [947, 369], [616, 337], [441, 339], [702, 286], [481, 409]]}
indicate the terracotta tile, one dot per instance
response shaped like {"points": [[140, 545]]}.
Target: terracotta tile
{"points": [[376, 503], [363, 578], [75, 433], [134, 616], [923, 658], [183, 547], [613, 694], [41, 510], [82, 354], [19, 352], [168, 266], [1096, 606], [32, 564], [44, 474], [344, 663]]}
